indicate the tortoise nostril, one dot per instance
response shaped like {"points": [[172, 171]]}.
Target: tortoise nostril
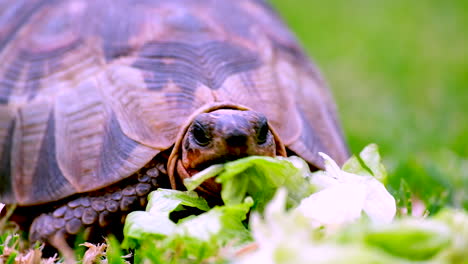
{"points": [[236, 139]]}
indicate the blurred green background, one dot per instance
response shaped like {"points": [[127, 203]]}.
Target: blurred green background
{"points": [[399, 72]]}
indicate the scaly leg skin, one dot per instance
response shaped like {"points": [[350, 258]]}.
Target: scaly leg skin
{"points": [[100, 209]]}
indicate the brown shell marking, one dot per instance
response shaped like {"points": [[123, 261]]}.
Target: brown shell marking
{"points": [[188, 65], [90, 91], [7, 126]]}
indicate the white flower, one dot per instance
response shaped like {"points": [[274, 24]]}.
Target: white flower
{"points": [[287, 236], [277, 232], [1, 207], [345, 196]]}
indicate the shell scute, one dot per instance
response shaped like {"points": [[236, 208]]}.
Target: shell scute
{"points": [[189, 65], [48, 174], [95, 152]]}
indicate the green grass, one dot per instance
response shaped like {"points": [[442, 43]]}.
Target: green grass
{"points": [[399, 73]]}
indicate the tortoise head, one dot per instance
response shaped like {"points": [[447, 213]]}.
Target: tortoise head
{"points": [[222, 135], [225, 135]]}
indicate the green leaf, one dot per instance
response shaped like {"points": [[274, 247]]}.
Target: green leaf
{"points": [[414, 239], [457, 220], [258, 177], [193, 182], [155, 222], [11, 258], [368, 163], [177, 249], [141, 225], [166, 201], [114, 253], [219, 225]]}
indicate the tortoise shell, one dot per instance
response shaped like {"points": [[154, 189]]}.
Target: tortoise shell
{"points": [[91, 91]]}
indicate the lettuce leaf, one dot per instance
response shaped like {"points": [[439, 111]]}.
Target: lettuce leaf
{"points": [[155, 221], [248, 183], [198, 236], [258, 177]]}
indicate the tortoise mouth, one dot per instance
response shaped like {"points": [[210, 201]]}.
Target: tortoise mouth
{"points": [[209, 189], [220, 160]]}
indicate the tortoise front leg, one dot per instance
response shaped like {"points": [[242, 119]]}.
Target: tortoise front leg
{"points": [[99, 209], [58, 241]]}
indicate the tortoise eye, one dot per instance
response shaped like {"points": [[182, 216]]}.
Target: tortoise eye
{"points": [[262, 134], [200, 135]]}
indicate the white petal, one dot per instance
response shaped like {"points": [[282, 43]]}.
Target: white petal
{"points": [[380, 205], [321, 180], [331, 167], [333, 171], [336, 205]]}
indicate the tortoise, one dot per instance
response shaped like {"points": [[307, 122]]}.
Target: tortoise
{"points": [[103, 101]]}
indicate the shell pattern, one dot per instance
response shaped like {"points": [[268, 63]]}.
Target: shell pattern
{"points": [[91, 91]]}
